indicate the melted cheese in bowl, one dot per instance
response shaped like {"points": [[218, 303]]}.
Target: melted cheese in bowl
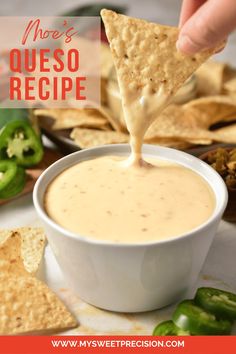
{"points": [[103, 199]]}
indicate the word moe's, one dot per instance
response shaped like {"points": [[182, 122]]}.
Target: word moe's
{"points": [[43, 74]]}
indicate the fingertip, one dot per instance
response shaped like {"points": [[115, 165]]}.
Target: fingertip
{"points": [[186, 46]]}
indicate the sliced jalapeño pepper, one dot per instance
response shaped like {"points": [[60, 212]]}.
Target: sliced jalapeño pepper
{"points": [[20, 143], [168, 328], [221, 303], [12, 179], [196, 320]]}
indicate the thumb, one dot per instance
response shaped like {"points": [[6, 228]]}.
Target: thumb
{"points": [[208, 26]]}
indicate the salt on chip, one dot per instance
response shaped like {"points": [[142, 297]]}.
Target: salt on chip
{"points": [[86, 138], [145, 56], [28, 306]]}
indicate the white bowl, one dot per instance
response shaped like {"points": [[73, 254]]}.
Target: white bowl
{"points": [[131, 277]]}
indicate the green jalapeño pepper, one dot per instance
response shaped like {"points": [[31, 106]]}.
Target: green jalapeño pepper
{"points": [[168, 328], [196, 320], [20, 143], [7, 115], [12, 179], [219, 302]]}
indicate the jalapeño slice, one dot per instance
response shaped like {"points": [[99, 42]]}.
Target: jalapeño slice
{"points": [[190, 317], [168, 328], [219, 302], [12, 179], [20, 143]]}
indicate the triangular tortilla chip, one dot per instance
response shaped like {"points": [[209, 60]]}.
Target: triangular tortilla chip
{"points": [[213, 109], [29, 306], [178, 123], [146, 59], [187, 124]]}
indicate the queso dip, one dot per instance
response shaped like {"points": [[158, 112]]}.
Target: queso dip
{"points": [[105, 200], [136, 200]]}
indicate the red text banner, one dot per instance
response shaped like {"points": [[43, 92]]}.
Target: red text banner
{"points": [[118, 344], [49, 61]]}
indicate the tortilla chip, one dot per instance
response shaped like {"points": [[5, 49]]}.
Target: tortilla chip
{"points": [[201, 141], [10, 253], [176, 122], [230, 85], [187, 124], [4, 235], [29, 307], [232, 95], [210, 78], [170, 142], [86, 138], [229, 73], [70, 118], [103, 92], [226, 134], [106, 113], [106, 61], [145, 56], [213, 109], [115, 123], [32, 247]]}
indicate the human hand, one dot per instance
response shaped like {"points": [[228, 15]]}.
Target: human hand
{"points": [[205, 23]]}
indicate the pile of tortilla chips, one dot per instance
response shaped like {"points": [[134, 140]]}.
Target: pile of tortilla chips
{"points": [[195, 122], [27, 305]]}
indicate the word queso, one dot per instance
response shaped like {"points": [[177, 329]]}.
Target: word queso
{"points": [[44, 74]]}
